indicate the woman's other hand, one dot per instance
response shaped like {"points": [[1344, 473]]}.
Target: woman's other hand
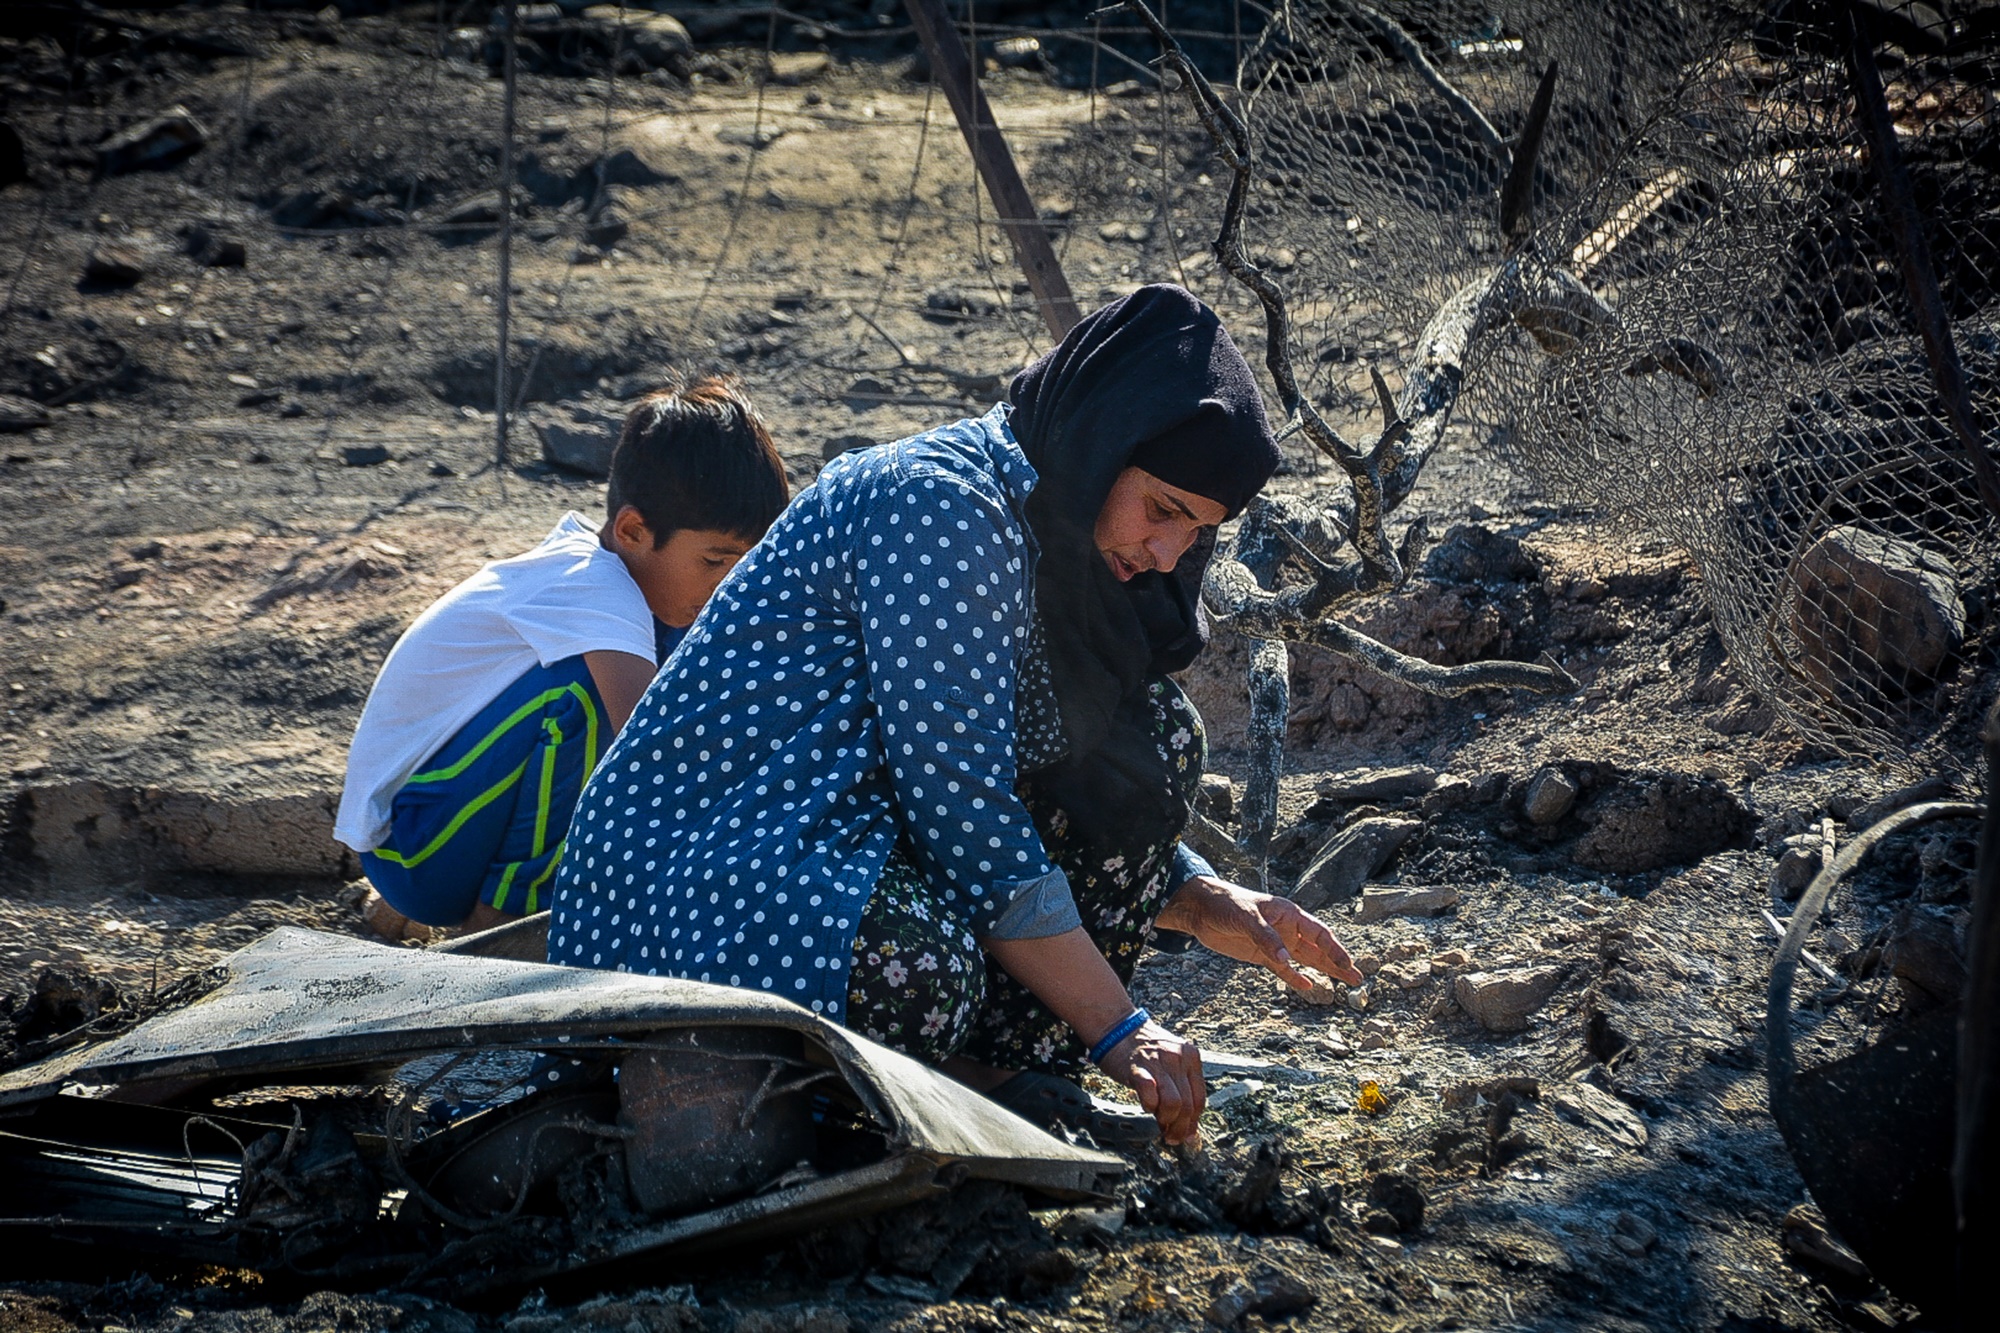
{"points": [[1254, 927], [1068, 974], [1164, 1070]]}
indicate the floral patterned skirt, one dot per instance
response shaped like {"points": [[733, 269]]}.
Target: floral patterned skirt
{"points": [[920, 982]]}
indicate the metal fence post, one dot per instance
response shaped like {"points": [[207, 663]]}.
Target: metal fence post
{"points": [[511, 15]]}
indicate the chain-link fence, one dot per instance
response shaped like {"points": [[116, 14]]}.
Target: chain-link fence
{"points": [[1751, 241]]}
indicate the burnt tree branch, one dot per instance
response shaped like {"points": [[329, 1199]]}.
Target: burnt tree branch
{"points": [[1414, 55], [1381, 475]]}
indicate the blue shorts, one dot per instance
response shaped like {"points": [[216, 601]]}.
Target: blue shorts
{"points": [[484, 821]]}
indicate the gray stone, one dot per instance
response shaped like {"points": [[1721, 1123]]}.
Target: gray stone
{"points": [[1551, 795], [159, 141], [1749, 716], [1451, 793], [1400, 1197], [87, 832], [1504, 1001], [1272, 1294], [480, 210], [1091, 1224], [606, 227], [1595, 1109], [1923, 954], [578, 439], [952, 302], [1351, 857], [19, 414], [364, 455], [1636, 1229], [1661, 819], [310, 208], [1796, 866], [625, 166], [1377, 1034], [1385, 900], [1873, 613], [790, 69], [1633, 1233], [1414, 975], [114, 264], [1806, 1235], [751, 136], [1018, 52], [1470, 553], [213, 248], [1378, 784], [1217, 797], [656, 40]]}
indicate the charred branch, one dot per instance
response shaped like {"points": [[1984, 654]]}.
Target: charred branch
{"points": [[1518, 193], [1270, 707], [1414, 55], [1231, 138], [1238, 587], [1544, 677]]}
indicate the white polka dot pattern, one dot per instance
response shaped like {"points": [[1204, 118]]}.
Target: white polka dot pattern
{"points": [[851, 680]]}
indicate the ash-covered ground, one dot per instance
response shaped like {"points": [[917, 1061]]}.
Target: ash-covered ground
{"points": [[1546, 1109]]}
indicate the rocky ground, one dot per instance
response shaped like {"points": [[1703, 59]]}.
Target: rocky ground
{"points": [[266, 370]]}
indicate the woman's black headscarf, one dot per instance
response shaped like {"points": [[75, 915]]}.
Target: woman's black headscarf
{"points": [[1152, 379]]}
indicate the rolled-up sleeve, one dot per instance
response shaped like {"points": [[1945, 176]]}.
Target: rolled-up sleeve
{"points": [[1039, 910], [941, 584], [1188, 863]]}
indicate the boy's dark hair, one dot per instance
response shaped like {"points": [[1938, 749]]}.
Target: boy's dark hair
{"points": [[698, 456]]}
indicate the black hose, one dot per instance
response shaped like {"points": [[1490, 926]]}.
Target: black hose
{"points": [[1778, 1020]]}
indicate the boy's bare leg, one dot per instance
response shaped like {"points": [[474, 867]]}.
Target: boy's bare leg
{"points": [[484, 917], [393, 926], [388, 923]]}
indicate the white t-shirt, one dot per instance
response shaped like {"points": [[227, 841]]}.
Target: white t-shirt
{"points": [[569, 595]]}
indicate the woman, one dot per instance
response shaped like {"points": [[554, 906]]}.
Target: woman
{"points": [[919, 766]]}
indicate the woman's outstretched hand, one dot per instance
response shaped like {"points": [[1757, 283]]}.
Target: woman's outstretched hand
{"points": [[1164, 1071], [1260, 928]]}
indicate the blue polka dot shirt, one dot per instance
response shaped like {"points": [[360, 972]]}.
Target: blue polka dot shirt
{"points": [[852, 679]]}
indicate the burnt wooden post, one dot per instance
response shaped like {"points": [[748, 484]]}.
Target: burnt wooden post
{"points": [[953, 70], [503, 307], [1871, 108], [1976, 1163]]}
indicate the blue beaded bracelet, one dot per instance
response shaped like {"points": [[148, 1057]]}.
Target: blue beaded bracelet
{"points": [[1125, 1027]]}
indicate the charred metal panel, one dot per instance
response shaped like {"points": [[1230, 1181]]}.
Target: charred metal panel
{"points": [[732, 1115]]}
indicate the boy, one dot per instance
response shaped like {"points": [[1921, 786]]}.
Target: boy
{"points": [[495, 705]]}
